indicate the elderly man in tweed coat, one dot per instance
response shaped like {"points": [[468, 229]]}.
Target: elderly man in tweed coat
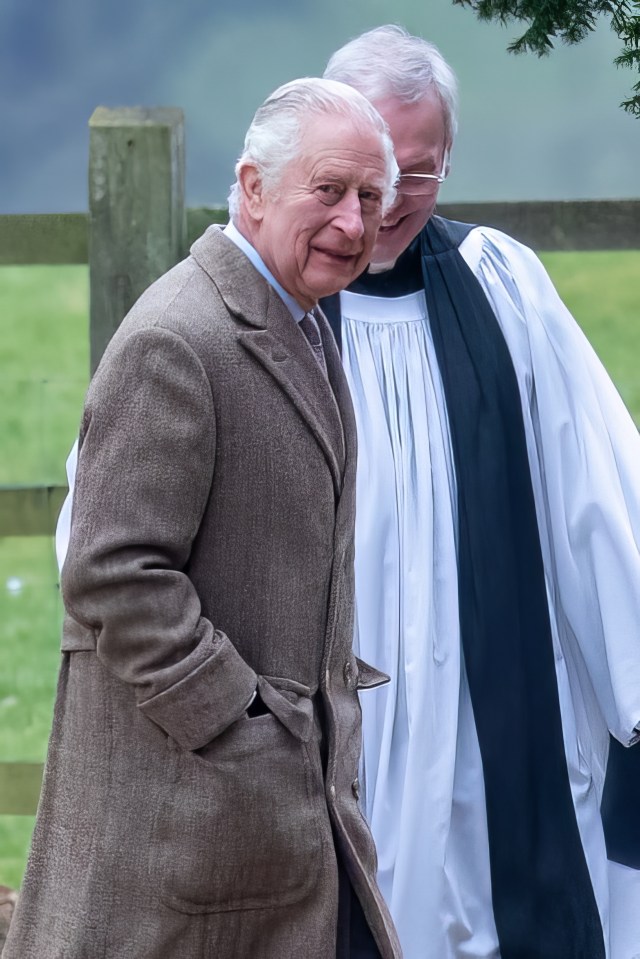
{"points": [[200, 796]]}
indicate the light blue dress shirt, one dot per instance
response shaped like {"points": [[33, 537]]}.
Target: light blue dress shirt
{"points": [[233, 234]]}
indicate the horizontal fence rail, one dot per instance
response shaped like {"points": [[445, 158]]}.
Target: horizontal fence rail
{"points": [[30, 510], [43, 238], [55, 238], [20, 788], [558, 225], [58, 238]]}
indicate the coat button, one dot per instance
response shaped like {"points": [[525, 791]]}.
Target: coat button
{"points": [[348, 674], [355, 788]]}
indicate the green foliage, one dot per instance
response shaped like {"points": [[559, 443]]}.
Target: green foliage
{"points": [[45, 359], [570, 21], [602, 290], [45, 349], [30, 617]]}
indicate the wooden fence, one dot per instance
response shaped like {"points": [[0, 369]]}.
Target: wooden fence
{"points": [[137, 227]]}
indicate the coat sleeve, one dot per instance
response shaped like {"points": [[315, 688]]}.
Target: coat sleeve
{"points": [[145, 469], [584, 451]]}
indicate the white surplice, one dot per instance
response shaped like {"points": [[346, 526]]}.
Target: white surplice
{"points": [[422, 776], [423, 790]]}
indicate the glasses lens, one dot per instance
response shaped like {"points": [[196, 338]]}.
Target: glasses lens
{"points": [[411, 185]]}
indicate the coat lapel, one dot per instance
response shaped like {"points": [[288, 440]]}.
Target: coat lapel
{"points": [[274, 339], [285, 353]]}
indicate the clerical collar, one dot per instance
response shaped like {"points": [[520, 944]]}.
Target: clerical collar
{"points": [[233, 233], [403, 278]]}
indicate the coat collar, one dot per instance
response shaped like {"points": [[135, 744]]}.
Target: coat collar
{"points": [[269, 332]]}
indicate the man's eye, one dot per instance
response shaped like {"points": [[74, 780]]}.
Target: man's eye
{"points": [[329, 193], [370, 199]]}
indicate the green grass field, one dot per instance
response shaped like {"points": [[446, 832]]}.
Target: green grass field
{"points": [[45, 362], [44, 375]]}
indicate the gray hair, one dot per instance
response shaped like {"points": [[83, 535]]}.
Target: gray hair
{"points": [[273, 139], [388, 62]]}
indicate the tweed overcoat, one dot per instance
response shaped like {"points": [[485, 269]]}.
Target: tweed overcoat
{"points": [[211, 549]]}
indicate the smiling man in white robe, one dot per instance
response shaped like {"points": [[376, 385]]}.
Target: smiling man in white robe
{"points": [[497, 567]]}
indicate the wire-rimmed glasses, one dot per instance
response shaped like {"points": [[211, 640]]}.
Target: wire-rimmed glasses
{"points": [[421, 184]]}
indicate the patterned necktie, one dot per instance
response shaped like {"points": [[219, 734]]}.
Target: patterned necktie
{"points": [[309, 327]]}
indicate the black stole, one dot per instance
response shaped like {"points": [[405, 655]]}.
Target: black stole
{"points": [[620, 805], [543, 900]]}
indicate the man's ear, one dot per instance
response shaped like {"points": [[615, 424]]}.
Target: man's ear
{"points": [[447, 154], [251, 190]]}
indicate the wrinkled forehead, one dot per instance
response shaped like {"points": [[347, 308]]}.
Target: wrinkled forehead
{"points": [[335, 127], [344, 145], [418, 129]]}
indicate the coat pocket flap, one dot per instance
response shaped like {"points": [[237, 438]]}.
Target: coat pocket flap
{"points": [[369, 677], [293, 707], [76, 638]]}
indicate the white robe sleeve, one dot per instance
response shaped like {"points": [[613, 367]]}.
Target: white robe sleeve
{"points": [[63, 527], [584, 451]]}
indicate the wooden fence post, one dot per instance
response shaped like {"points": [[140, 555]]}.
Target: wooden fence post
{"points": [[137, 221]]}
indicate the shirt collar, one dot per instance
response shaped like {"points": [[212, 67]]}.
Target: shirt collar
{"points": [[234, 234]]}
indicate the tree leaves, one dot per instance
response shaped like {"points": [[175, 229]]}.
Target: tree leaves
{"points": [[569, 21]]}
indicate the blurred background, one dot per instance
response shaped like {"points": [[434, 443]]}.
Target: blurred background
{"points": [[530, 128]]}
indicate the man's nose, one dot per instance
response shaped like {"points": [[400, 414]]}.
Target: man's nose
{"points": [[349, 216]]}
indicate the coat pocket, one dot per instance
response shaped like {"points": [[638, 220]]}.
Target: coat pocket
{"points": [[241, 825]]}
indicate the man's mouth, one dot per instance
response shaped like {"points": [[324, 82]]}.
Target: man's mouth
{"points": [[390, 227], [337, 255]]}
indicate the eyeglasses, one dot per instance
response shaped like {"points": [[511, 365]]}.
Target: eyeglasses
{"points": [[421, 184]]}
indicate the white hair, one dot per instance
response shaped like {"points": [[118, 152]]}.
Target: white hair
{"points": [[389, 62], [274, 137]]}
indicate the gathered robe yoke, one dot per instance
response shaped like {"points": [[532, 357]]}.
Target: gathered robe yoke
{"points": [[421, 767], [211, 551]]}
